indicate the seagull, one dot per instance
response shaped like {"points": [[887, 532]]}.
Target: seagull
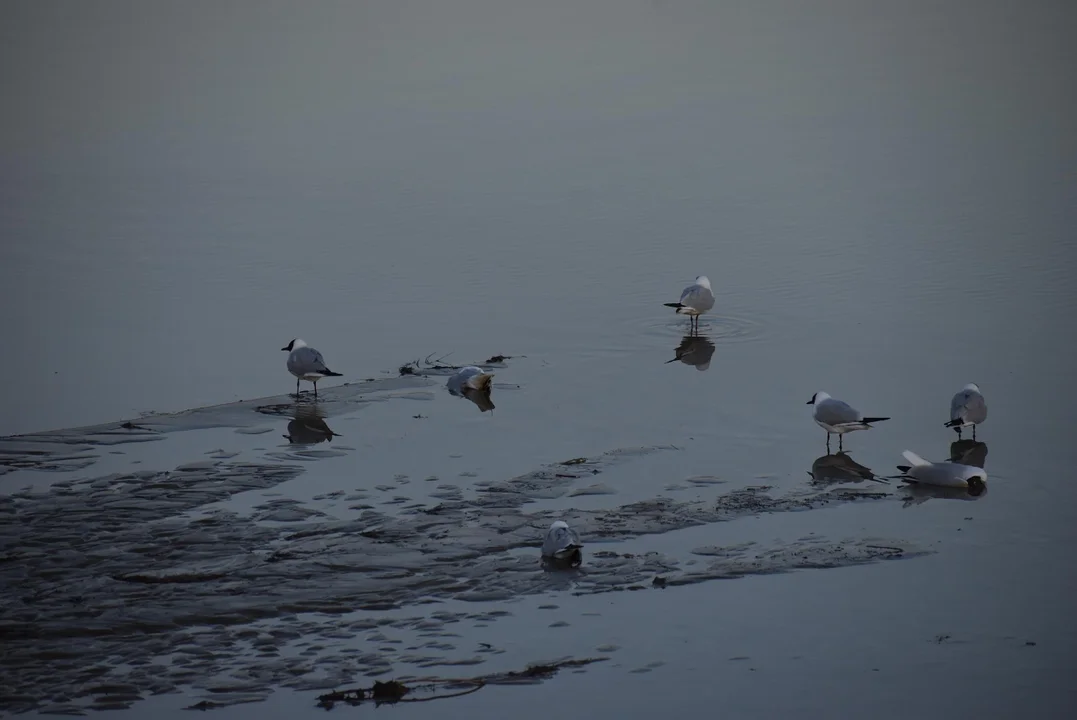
{"points": [[562, 544], [836, 416], [470, 377], [306, 363], [474, 384], [967, 409], [944, 474], [696, 299]]}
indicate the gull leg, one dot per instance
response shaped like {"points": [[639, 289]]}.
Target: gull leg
{"points": [[828, 443], [974, 433], [841, 438], [297, 388], [315, 389]]}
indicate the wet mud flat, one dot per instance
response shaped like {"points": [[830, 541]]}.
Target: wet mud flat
{"points": [[117, 586]]}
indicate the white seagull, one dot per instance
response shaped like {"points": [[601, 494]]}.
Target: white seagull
{"points": [[837, 416], [696, 299], [306, 363], [944, 474], [470, 377], [967, 409], [561, 543]]}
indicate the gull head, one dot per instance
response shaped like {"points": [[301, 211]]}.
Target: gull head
{"points": [[294, 345], [972, 386], [702, 280], [818, 397]]}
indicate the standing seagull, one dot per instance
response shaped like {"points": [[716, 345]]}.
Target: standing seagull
{"points": [[696, 299], [836, 416], [306, 363], [967, 408]]}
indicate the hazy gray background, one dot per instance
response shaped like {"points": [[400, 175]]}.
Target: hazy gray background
{"points": [[187, 186], [884, 196]]}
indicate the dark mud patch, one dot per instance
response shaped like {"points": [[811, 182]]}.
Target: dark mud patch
{"points": [[128, 584]]}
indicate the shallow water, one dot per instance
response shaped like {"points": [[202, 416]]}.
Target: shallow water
{"points": [[882, 197]]}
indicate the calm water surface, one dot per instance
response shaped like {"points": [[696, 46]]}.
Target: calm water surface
{"points": [[883, 196]]}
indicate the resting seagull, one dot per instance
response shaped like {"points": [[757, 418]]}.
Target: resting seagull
{"points": [[967, 409], [944, 474], [696, 299], [306, 363], [469, 378], [562, 544], [837, 416]]}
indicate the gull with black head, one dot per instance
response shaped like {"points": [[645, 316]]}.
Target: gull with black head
{"points": [[306, 363], [838, 416]]}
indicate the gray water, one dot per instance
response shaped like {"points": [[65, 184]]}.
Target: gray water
{"points": [[883, 196]]}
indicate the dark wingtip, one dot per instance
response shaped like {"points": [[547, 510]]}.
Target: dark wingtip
{"points": [[904, 468], [673, 305], [871, 420], [952, 423], [330, 373]]}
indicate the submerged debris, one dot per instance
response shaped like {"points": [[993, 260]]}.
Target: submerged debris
{"points": [[394, 692]]}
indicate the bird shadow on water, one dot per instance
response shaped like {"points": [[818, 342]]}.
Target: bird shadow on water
{"points": [[968, 452], [839, 468], [563, 567], [694, 350], [308, 426], [481, 398]]}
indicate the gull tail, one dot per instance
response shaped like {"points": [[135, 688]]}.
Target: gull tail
{"points": [[913, 458], [480, 382], [871, 420]]}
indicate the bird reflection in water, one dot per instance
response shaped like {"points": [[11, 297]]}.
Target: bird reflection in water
{"points": [[839, 468], [968, 452], [307, 426], [694, 350], [481, 398]]}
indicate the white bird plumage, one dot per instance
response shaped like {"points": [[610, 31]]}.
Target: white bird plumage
{"points": [[696, 299], [471, 377], [561, 541], [838, 416], [967, 409], [306, 363], [944, 474]]}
